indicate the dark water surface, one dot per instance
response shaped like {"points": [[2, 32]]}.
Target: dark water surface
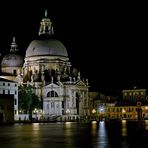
{"points": [[73, 135]]}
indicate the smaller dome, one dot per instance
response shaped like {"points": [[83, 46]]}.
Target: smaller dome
{"points": [[12, 60]]}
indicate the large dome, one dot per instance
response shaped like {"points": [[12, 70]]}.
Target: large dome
{"points": [[47, 47], [12, 60]]}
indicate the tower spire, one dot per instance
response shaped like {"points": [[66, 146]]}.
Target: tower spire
{"points": [[46, 27], [13, 46]]}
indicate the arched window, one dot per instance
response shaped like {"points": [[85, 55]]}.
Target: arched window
{"points": [[52, 94]]}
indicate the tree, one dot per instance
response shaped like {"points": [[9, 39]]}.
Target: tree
{"points": [[28, 100]]}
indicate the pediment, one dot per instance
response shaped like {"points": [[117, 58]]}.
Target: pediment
{"points": [[52, 85], [80, 84]]}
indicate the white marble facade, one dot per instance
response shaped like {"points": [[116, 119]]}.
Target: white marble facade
{"points": [[47, 67]]}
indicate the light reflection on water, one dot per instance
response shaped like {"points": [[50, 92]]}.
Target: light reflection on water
{"points": [[146, 124], [102, 136], [71, 135], [124, 128], [93, 128], [68, 133]]}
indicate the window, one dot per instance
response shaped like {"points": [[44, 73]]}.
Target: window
{"points": [[142, 93], [52, 94], [14, 71], [15, 102], [62, 104], [47, 106], [52, 104]]}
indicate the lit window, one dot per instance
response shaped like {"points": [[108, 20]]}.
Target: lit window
{"points": [[142, 93]]}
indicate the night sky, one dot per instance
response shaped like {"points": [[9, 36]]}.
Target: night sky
{"points": [[106, 41]]}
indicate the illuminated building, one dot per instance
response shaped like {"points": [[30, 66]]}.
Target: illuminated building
{"points": [[127, 107], [8, 100], [134, 95], [47, 68]]}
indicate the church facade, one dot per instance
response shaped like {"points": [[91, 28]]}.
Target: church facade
{"points": [[47, 68]]}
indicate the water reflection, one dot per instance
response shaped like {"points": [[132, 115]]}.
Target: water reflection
{"points": [[124, 128], [35, 128], [74, 135], [102, 136], [68, 134], [146, 124], [94, 128]]}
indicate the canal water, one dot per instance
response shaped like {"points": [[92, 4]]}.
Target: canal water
{"points": [[74, 135]]}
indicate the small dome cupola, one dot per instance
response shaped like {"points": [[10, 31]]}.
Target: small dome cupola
{"points": [[12, 59], [13, 46]]}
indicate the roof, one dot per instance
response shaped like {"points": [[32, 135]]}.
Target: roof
{"points": [[46, 47], [6, 80]]}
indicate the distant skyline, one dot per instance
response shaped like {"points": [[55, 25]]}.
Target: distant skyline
{"points": [[107, 42]]}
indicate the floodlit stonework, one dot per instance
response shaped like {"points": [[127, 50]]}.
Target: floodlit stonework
{"points": [[47, 68]]}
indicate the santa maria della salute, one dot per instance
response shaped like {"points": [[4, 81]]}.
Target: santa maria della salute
{"points": [[46, 67]]}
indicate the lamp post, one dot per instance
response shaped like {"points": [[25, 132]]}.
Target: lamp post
{"points": [[93, 114], [36, 112], [68, 113], [20, 112]]}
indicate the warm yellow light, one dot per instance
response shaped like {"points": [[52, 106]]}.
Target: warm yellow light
{"points": [[93, 111], [123, 111], [94, 122]]}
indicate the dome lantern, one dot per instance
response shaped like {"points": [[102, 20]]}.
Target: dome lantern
{"points": [[13, 46], [46, 27]]}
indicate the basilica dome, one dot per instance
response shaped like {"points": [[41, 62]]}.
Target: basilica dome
{"points": [[12, 60], [46, 47]]}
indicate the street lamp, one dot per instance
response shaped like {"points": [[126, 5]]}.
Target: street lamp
{"points": [[68, 113], [93, 112], [36, 112]]}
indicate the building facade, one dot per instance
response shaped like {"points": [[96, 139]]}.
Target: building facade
{"points": [[47, 68], [9, 99]]}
